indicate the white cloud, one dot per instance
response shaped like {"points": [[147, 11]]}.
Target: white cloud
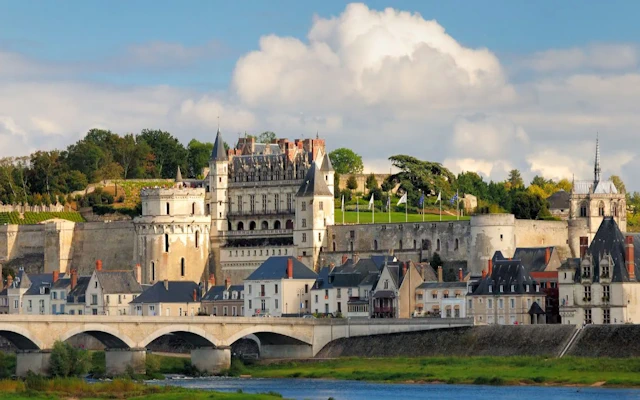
{"points": [[595, 56]]}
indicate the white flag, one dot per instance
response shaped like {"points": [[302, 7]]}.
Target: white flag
{"points": [[439, 196], [403, 199], [342, 203], [371, 202]]}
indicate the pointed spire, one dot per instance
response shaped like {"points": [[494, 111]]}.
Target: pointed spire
{"points": [[326, 164], [596, 168], [218, 153], [314, 184], [179, 175]]}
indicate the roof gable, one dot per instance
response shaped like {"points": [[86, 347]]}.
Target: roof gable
{"points": [[314, 184], [276, 268]]}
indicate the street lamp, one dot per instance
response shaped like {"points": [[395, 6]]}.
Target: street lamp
{"points": [[300, 292]]}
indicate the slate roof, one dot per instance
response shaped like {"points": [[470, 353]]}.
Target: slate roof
{"points": [[314, 184], [536, 309], [601, 187], [80, 290], [326, 164], [276, 268], [179, 175], [323, 281], [38, 281], [118, 282], [560, 200], [610, 240], [218, 152], [532, 257], [216, 293], [179, 292], [506, 273], [443, 285], [63, 282]]}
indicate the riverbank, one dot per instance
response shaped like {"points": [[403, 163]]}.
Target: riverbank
{"points": [[568, 371], [35, 388]]}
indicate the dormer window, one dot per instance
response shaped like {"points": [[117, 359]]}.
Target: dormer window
{"points": [[234, 295], [526, 288], [501, 288], [513, 288], [490, 288]]}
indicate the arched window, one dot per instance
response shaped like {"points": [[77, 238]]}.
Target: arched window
{"points": [[415, 244], [182, 267], [265, 225], [229, 227], [375, 245], [583, 210], [276, 225], [240, 226], [168, 209], [614, 209], [334, 246], [438, 245], [457, 244], [400, 245], [289, 224], [426, 244], [252, 225], [193, 208], [197, 239], [601, 209], [166, 242], [153, 271], [351, 246]]}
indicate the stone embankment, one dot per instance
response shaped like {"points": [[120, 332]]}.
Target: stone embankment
{"points": [[541, 340]]}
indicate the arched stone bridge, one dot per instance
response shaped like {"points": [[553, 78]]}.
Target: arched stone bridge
{"points": [[127, 337]]}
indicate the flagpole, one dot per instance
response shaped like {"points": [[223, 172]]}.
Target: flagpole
{"points": [[440, 208], [358, 209], [458, 205], [342, 209], [406, 207], [389, 205], [373, 212]]}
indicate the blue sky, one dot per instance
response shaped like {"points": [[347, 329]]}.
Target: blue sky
{"points": [[534, 81]]}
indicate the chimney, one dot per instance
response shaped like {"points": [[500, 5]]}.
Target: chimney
{"points": [[74, 278], [166, 284], [356, 257], [344, 259], [404, 268], [9, 281], [98, 265], [584, 246], [547, 255], [290, 268], [630, 257], [484, 273], [440, 274], [490, 267], [460, 275], [227, 283], [212, 280], [195, 295], [139, 274], [56, 276]]}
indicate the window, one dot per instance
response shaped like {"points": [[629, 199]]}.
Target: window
{"points": [[445, 295], [513, 303], [319, 236], [490, 288], [470, 304], [95, 284], [119, 299], [400, 245], [306, 288], [605, 268], [153, 271], [316, 298], [239, 204], [386, 284], [224, 311], [375, 245], [250, 304], [587, 293], [263, 304], [234, 311], [587, 316], [249, 289], [501, 288], [501, 303], [304, 237], [320, 206], [289, 202], [513, 288], [606, 293], [601, 209], [264, 203], [252, 203], [338, 293], [166, 242], [276, 303], [490, 303], [583, 209], [94, 299], [197, 239], [434, 294], [53, 309], [108, 300], [438, 245], [303, 206], [457, 244], [606, 316], [304, 222], [168, 209], [182, 267], [262, 291], [277, 202], [276, 288]]}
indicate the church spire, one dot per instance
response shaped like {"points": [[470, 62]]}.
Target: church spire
{"points": [[596, 168]]}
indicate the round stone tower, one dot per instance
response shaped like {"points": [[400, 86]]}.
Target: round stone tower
{"points": [[490, 233], [172, 235]]}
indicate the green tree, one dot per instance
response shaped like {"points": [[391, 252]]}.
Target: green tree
{"points": [[352, 182], [346, 161], [617, 182], [515, 179], [418, 176], [539, 181], [67, 361], [111, 170], [198, 154], [169, 153], [529, 206], [436, 261], [267, 137], [371, 183], [472, 183]]}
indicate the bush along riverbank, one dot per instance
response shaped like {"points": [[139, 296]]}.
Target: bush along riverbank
{"points": [[567, 371]]}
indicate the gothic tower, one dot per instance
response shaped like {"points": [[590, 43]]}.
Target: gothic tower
{"points": [[218, 186]]}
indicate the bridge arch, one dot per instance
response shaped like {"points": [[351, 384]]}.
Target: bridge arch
{"points": [[197, 336], [20, 337], [110, 337], [271, 335]]}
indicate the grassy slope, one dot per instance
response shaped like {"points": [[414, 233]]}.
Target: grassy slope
{"points": [[31, 218], [350, 217], [479, 370]]}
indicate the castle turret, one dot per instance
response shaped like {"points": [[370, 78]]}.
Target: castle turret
{"points": [[328, 172], [218, 186], [314, 211]]}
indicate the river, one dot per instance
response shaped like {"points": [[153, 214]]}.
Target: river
{"points": [[322, 389]]}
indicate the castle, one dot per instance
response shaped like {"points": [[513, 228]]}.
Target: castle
{"points": [[259, 200]]}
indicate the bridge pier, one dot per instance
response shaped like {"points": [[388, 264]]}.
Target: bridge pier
{"points": [[36, 361], [211, 360], [286, 351], [118, 361]]}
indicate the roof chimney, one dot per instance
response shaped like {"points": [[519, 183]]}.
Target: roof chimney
{"points": [[584, 246], [490, 267], [9, 281], [547, 255], [356, 257], [460, 275], [98, 265], [440, 274], [344, 259], [290, 268], [227, 283], [74, 278], [212, 280], [56, 276], [629, 261], [195, 295], [139, 274], [166, 284], [484, 273], [404, 268]]}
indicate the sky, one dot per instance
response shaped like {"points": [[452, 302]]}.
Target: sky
{"points": [[479, 86]]}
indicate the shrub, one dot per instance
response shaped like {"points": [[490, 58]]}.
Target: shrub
{"points": [[68, 361], [7, 364]]}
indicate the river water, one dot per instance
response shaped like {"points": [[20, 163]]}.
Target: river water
{"points": [[322, 389]]}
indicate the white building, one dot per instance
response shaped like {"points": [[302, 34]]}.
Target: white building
{"points": [[280, 286], [443, 299], [110, 292]]}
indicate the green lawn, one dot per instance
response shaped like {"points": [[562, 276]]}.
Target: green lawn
{"points": [[351, 217], [470, 370]]}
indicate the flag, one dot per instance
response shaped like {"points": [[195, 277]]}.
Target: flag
{"points": [[403, 199], [342, 203], [371, 201], [421, 201], [454, 198], [439, 196], [388, 202]]}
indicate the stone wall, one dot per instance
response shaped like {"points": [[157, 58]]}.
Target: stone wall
{"points": [[29, 208], [362, 181], [543, 233], [111, 242], [607, 341], [18, 241]]}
